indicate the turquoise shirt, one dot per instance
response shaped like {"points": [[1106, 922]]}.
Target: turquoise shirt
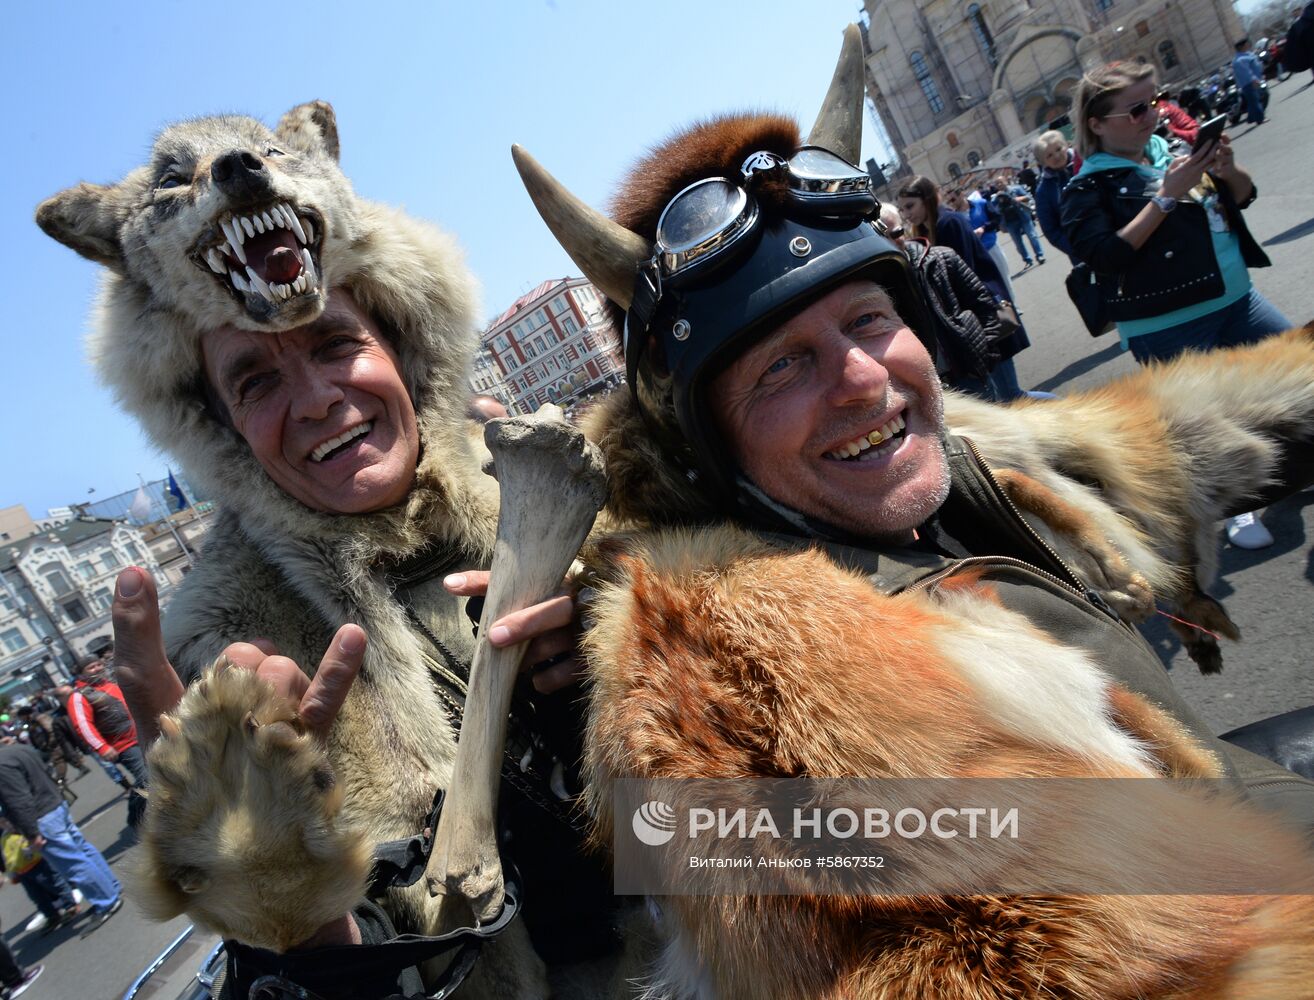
{"points": [[1227, 248]]}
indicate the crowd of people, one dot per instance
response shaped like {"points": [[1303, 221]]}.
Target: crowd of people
{"points": [[42, 850], [1171, 280]]}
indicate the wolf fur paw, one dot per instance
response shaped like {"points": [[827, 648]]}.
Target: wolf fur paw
{"points": [[243, 832]]}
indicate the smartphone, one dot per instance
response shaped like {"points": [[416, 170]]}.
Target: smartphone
{"points": [[1210, 131]]}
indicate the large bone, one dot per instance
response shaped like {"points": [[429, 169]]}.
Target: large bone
{"points": [[552, 484]]}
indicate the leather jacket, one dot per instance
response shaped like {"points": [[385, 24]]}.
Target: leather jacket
{"points": [[1175, 268]]}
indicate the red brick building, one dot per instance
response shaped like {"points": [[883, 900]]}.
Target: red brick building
{"points": [[553, 345]]}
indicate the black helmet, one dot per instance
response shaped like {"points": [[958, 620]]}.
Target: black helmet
{"points": [[733, 255]]}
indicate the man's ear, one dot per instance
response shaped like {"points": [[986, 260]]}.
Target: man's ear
{"points": [[310, 127], [87, 217]]}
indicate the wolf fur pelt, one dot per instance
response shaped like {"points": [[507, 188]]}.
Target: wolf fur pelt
{"points": [[696, 673], [272, 567]]}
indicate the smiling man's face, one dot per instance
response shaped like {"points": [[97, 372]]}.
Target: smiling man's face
{"points": [[838, 414], [323, 408]]}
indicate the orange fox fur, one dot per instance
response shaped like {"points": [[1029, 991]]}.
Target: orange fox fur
{"points": [[716, 656]]}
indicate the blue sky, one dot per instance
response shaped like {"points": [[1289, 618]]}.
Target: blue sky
{"points": [[429, 98]]}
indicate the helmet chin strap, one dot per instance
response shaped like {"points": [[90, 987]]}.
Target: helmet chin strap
{"points": [[763, 511]]}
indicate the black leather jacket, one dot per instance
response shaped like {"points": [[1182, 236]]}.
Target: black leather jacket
{"points": [[1175, 268]]}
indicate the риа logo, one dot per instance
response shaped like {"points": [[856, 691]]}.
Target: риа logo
{"points": [[654, 823]]}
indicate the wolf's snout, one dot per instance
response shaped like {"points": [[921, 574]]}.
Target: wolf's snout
{"points": [[240, 174]]}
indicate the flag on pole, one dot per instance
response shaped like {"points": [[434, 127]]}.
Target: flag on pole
{"points": [[176, 492], [141, 506]]}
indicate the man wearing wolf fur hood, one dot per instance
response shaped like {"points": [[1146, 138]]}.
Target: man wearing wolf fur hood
{"points": [[233, 228]]}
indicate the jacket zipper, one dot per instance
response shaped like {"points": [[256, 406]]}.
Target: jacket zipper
{"points": [[1074, 583]]}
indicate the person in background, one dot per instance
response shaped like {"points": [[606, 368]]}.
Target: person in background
{"points": [[1166, 234], [1055, 158], [1249, 75], [1027, 177], [52, 896], [977, 209], [33, 804], [1174, 117], [919, 204], [58, 750], [101, 717], [962, 310], [14, 979], [1015, 218]]}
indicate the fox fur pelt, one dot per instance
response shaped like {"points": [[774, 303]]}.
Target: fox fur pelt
{"points": [[698, 672]]}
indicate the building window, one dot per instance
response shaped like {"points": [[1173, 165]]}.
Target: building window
{"points": [[559, 305], [110, 561], [101, 599], [85, 569], [923, 74], [955, 171], [974, 158], [57, 579], [983, 37], [1168, 55], [76, 610], [1103, 4], [568, 324], [13, 640]]}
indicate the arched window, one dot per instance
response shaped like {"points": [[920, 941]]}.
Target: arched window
{"points": [[974, 158], [923, 74], [982, 32], [1168, 54], [1103, 4], [955, 171]]}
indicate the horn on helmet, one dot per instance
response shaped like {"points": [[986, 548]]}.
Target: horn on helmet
{"points": [[607, 253], [839, 123]]}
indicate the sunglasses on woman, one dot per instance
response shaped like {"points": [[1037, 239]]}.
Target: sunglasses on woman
{"points": [[1136, 112]]}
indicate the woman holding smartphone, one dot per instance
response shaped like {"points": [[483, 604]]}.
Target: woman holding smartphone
{"points": [[1164, 234]]}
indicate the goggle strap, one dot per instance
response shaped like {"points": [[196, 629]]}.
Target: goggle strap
{"points": [[647, 292]]}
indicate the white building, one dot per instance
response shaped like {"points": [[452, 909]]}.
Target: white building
{"points": [[954, 82], [56, 587]]}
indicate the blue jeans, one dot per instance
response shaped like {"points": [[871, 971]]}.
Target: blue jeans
{"points": [[47, 889], [79, 862], [1025, 227], [1254, 108], [1249, 319]]}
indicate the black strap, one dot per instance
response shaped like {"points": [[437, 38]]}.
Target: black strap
{"points": [[372, 970]]}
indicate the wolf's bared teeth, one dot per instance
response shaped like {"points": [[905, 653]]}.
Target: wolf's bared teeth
{"points": [[300, 284], [310, 230], [259, 284], [216, 261], [259, 223], [238, 281], [227, 227], [268, 220], [308, 265], [246, 224], [237, 251], [296, 226], [235, 224]]}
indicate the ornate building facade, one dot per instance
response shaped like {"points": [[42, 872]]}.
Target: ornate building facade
{"points": [[956, 82]]}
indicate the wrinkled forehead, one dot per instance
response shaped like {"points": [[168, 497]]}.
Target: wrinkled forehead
{"points": [[200, 138]]}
